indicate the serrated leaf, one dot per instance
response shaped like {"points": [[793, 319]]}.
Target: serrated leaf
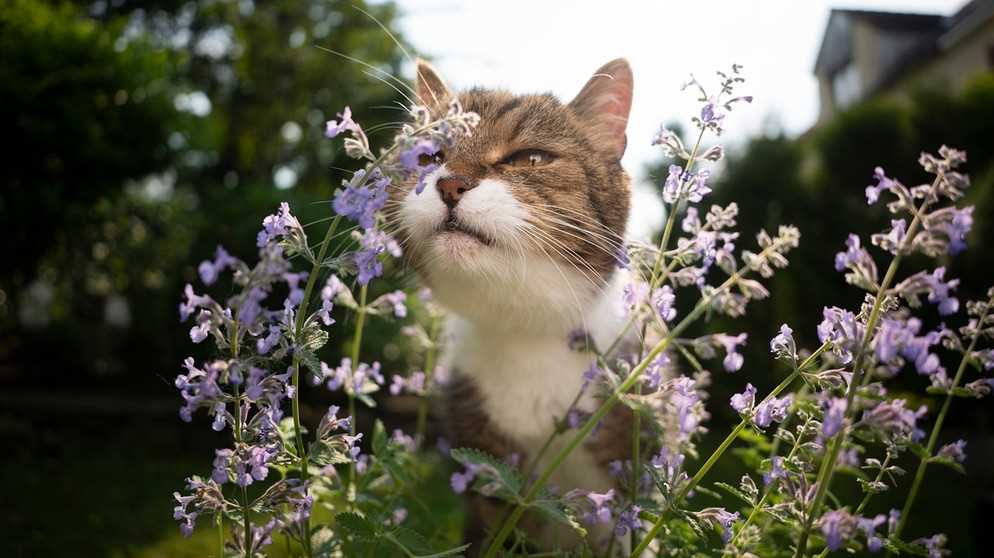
{"points": [[357, 525], [416, 545], [557, 511], [309, 360], [501, 472], [735, 492], [948, 462], [379, 439]]}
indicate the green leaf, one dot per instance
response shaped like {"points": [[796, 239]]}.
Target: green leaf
{"points": [[357, 526], [900, 547], [490, 467], [379, 439], [735, 492], [557, 511], [948, 462], [309, 360]]}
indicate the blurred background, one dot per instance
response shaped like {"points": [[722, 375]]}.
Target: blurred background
{"points": [[143, 134]]}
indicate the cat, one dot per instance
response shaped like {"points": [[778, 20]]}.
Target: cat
{"points": [[518, 233]]}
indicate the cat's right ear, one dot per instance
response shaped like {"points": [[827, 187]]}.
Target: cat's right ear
{"points": [[429, 87]]}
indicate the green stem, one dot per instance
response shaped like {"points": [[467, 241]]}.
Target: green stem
{"points": [[295, 380], [239, 436], [769, 489], [602, 411], [356, 346], [220, 535], [939, 420], [429, 369], [706, 467]]}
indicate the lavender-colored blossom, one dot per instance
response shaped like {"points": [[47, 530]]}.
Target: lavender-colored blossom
{"points": [[841, 328], [396, 300], [192, 302], [628, 520], [362, 197], [939, 291], [266, 344], [891, 240], [460, 481], [883, 183], [835, 416], [782, 345], [333, 128], [210, 270], [955, 451], [869, 528], [837, 526], [743, 402], [601, 512], [934, 545], [671, 187], [893, 420], [634, 295], [776, 470], [277, 225], [372, 243], [411, 157], [654, 371], [733, 360], [663, 300], [720, 517], [774, 410]]}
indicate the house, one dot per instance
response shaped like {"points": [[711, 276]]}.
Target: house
{"points": [[868, 53]]}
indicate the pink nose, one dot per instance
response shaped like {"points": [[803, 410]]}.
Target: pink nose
{"points": [[452, 189]]}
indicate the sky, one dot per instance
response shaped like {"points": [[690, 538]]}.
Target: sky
{"points": [[542, 45]]}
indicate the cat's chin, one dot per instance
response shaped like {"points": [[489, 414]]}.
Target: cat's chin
{"points": [[458, 248]]}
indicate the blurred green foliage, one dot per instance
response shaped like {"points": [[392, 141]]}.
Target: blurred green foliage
{"points": [[146, 134]]}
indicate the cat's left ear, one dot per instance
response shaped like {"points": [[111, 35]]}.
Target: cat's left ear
{"points": [[429, 87], [603, 105]]}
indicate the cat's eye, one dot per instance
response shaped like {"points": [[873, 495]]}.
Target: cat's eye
{"points": [[528, 158], [426, 159]]}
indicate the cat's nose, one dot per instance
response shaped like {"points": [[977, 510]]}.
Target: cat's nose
{"points": [[452, 189]]}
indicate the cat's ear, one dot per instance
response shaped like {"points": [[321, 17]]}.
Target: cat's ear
{"points": [[603, 105], [429, 87]]}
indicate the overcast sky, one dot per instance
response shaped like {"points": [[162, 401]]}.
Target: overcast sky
{"points": [[538, 45]]}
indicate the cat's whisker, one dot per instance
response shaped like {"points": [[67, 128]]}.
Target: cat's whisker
{"points": [[388, 32], [363, 63], [581, 217]]}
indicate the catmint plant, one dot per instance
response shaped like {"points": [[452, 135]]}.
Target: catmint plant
{"points": [[831, 411], [269, 330]]}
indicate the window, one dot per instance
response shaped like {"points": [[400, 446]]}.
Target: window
{"points": [[846, 88]]}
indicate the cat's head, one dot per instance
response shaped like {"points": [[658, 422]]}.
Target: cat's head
{"points": [[524, 220]]}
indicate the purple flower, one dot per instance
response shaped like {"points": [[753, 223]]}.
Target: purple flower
{"points": [[696, 187], [663, 300], [892, 420], [776, 470], [362, 197], [396, 299], [852, 255], [279, 224], [955, 451], [710, 114], [743, 402], [883, 183], [733, 360], [934, 545], [774, 410], [602, 511], [634, 295], [891, 240], [939, 291], [371, 245], [835, 416], [869, 528], [628, 520], [192, 302], [842, 329], [782, 345], [461, 481], [209, 270], [410, 158], [837, 526], [654, 371], [719, 517], [671, 187], [334, 128]]}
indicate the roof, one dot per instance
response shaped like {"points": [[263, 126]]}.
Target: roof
{"points": [[835, 43]]}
